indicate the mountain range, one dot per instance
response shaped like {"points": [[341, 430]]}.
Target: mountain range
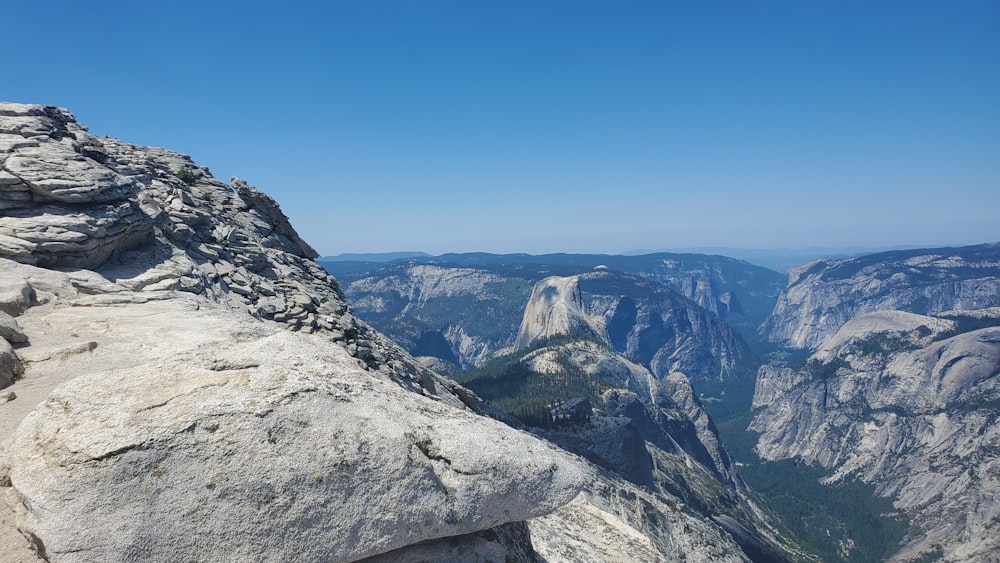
{"points": [[683, 316]]}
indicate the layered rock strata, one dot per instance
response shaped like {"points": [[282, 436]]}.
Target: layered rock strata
{"points": [[151, 219]]}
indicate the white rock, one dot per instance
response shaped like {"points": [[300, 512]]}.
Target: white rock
{"points": [[556, 307], [223, 454]]}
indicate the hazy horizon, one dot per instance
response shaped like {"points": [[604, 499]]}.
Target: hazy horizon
{"points": [[778, 259], [558, 127], [690, 249]]}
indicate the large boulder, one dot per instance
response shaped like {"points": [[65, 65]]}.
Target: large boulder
{"points": [[281, 445], [10, 330]]}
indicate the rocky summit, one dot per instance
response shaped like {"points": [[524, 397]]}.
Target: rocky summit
{"points": [[180, 380]]}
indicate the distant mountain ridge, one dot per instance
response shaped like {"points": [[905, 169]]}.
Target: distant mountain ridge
{"points": [[741, 293], [823, 295], [373, 256], [780, 259], [474, 313]]}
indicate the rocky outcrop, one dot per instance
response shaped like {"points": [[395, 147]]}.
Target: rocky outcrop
{"points": [[10, 364], [280, 227], [181, 459], [614, 520], [61, 207], [823, 295], [555, 307], [150, 219], [15, 296], [892, 400]]}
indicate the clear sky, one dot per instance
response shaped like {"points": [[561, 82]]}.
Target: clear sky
{"points": [[547, 126]]}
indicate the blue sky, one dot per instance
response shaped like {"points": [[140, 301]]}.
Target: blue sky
{"points": [[540, 126]]}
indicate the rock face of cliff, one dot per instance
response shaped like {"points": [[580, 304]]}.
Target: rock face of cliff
{"points": [[639, 319], [466, 316], [823, 295], [555, 307], [183, 381], [909, 403]]}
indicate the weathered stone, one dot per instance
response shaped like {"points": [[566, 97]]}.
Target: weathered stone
{"points": [[614, 520], [188, 458], [14, 247], [73, 237], [13, 109], [268, 208], [14, 194], [10, 330], [54, 172], [16, 294]]}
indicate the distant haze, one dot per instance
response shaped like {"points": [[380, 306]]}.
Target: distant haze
{"points": [[780, 260], [453, 126]]}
